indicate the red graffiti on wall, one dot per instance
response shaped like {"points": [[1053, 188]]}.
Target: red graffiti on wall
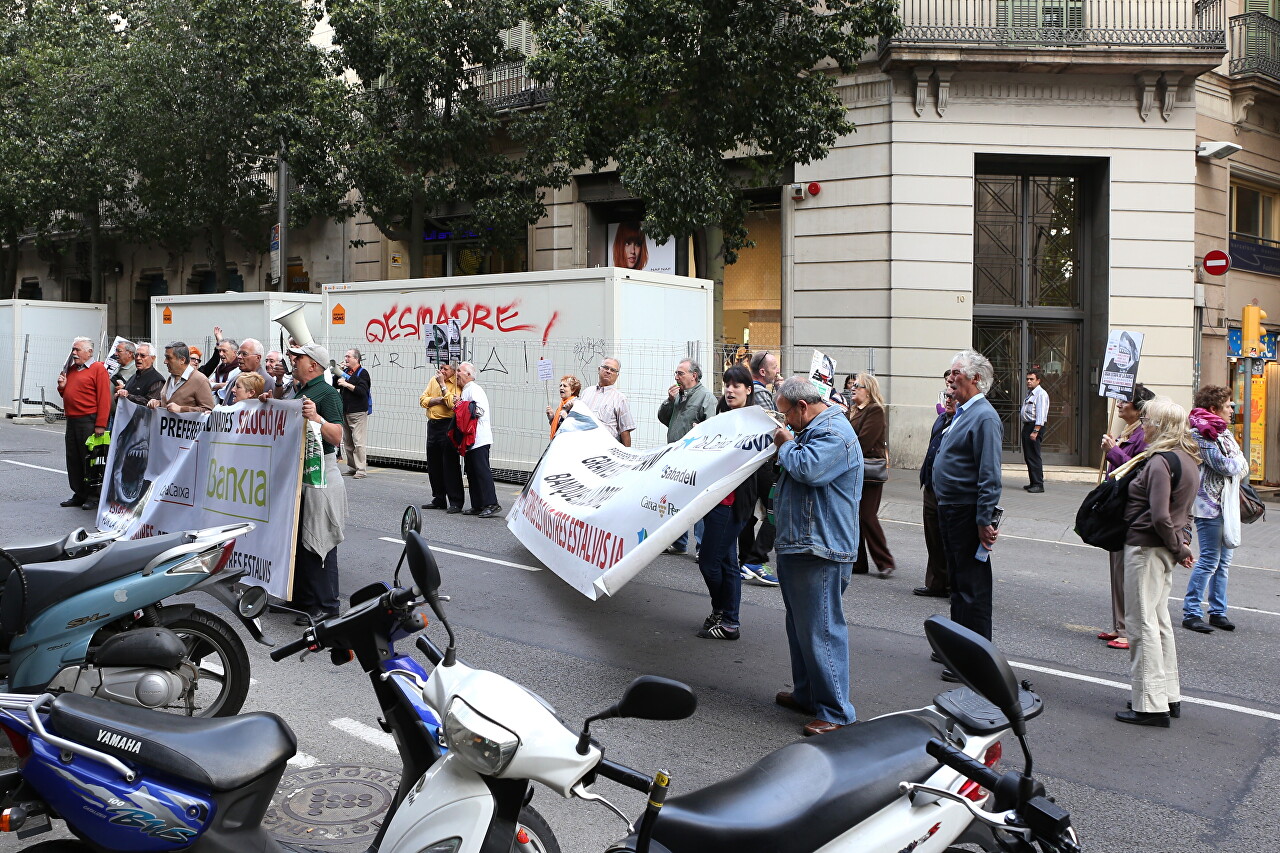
{"points": [[406, 322]]}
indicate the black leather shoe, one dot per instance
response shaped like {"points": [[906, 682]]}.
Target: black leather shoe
{"points": [[1175, 709], [1195, 623], [433, 506], [454, 510], [72, 501], [1222, 622], [471, 511], [948, 675], [303, 620], [1035, 490], [930, 593], [933, 656], [1158, 719], [489, 511], [89, 504]]}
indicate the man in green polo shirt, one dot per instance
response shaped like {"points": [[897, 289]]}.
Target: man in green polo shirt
{"points": [[323, 511]]}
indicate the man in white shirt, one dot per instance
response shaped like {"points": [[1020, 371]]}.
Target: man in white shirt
{"points": [[608, 404], [484, 497], [1035, 411]]}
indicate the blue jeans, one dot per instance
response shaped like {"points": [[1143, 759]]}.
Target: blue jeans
{"points": [[682, 544], [718, 562], [817, 635], [1210, 570]]}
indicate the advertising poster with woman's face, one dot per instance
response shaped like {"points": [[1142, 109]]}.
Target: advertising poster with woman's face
{"points": [[632, 249]]}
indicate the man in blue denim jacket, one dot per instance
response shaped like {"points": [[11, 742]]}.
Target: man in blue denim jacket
{"points": [[816, 511]]}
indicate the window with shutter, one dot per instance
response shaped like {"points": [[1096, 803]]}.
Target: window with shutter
{"points": [[1039, 20], [1261, 41]]}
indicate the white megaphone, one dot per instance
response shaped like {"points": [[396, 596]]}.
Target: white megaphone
{"points": [[295, 323]]}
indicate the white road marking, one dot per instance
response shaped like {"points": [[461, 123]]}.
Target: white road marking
{"points": [[469, 556], [37, 467], [303, 760], [1240, 607], [1071, 544], [1241, 709], [368, 734], [50, 431]]}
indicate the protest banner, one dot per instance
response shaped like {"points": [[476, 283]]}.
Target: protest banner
{"points": [[822, 372], [168, 472], [596, 513], [1120, 364]]}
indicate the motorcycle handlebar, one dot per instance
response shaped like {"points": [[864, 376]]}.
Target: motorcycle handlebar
{"points": [[623, 775], [289, 649], [963, 764], [429, 649]]}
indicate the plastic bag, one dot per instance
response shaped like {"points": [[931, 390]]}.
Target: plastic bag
{"points": [[313, 468]]}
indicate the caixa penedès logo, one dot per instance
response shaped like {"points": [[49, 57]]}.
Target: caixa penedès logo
{"points": [[662, 507]]}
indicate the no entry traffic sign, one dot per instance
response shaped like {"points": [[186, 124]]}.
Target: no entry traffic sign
{"points": [[1216, 262]]}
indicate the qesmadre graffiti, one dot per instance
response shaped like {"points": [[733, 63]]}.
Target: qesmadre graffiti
{"points": [[406, 321]]}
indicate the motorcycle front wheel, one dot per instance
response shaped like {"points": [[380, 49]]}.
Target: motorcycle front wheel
{"points": [[218, 655], [541, 838]]}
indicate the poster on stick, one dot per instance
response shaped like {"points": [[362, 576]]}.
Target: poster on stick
{"points": [[1120, 364], [822, 372], [168, 472], [596, 513]]}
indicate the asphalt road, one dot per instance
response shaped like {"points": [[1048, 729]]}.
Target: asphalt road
{"points": [[1210, 783]]}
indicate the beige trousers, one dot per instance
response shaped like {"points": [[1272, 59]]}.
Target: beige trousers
{"points": [[1153, 659], [1116, 559], [353, 438]]}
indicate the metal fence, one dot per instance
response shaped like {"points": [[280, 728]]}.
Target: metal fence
{"points": [[1255, 44], [1063, 23]]}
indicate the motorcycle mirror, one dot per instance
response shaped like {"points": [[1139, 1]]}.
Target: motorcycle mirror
{"points": [[651, 697], [979, 664], [423, 567], [252, 603], [411, 520]]}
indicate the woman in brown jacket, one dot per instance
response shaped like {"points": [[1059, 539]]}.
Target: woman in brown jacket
{"points": [[1159, 518], [867, 415]]}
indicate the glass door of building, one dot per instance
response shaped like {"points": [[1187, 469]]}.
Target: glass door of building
{"points": [[1029, 302]]}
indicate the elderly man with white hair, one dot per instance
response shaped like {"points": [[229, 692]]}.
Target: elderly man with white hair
{"points": [[966, 482], [86, 400], [475, 461]]}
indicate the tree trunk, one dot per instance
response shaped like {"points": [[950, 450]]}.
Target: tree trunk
{"points": [[715, 272], [414, 242], [218, 258], [93, 220], [9, 283]]}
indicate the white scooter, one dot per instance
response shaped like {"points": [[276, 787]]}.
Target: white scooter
{"points": [[912, 781]]}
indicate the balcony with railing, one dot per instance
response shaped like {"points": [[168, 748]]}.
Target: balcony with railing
{"points": [[1190, 33], [1255, 49]]}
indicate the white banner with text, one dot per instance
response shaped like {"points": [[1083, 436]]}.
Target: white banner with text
{"points": [[596, 513], [168, 472]]}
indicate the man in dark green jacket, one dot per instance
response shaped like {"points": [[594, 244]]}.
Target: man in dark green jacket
{"points": [[688, 402]]}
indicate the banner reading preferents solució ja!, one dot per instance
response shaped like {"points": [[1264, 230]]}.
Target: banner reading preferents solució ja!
{"points": [[596, 513], [168, 472]]}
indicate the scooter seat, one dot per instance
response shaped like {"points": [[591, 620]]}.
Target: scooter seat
{"points": [[219, 754], [44, 552], [52, 582], [802, 796]]}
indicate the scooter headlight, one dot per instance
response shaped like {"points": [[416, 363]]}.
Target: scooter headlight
{"points": [[479, 742]]}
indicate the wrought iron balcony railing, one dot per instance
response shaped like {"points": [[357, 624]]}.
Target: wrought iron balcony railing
{"points": [[1063, 23], [1255, 45], [508, 86]]}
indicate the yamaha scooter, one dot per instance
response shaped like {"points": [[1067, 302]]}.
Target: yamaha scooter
{"points": [[85, 614]]}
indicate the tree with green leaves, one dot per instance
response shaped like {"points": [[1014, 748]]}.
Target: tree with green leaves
{"points": [[213, 91], [696, 100], [428, 138], [63, 172]]}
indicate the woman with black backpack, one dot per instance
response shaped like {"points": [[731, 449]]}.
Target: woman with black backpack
{"points": [[1158, 512]]}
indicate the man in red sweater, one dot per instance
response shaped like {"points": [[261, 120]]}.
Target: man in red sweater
{"points": [[86, 398]]}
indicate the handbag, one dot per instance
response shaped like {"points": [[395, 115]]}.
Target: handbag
{"points": [[875, 470], [1251, 506]]}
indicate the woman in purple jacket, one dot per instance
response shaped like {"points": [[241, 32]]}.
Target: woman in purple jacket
{"points": [[1119, 450]]}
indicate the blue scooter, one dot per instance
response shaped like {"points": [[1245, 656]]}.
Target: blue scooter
{"points": [[85, 615]]}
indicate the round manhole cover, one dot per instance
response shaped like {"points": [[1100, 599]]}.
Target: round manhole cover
{"points": [[331, 804]]}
